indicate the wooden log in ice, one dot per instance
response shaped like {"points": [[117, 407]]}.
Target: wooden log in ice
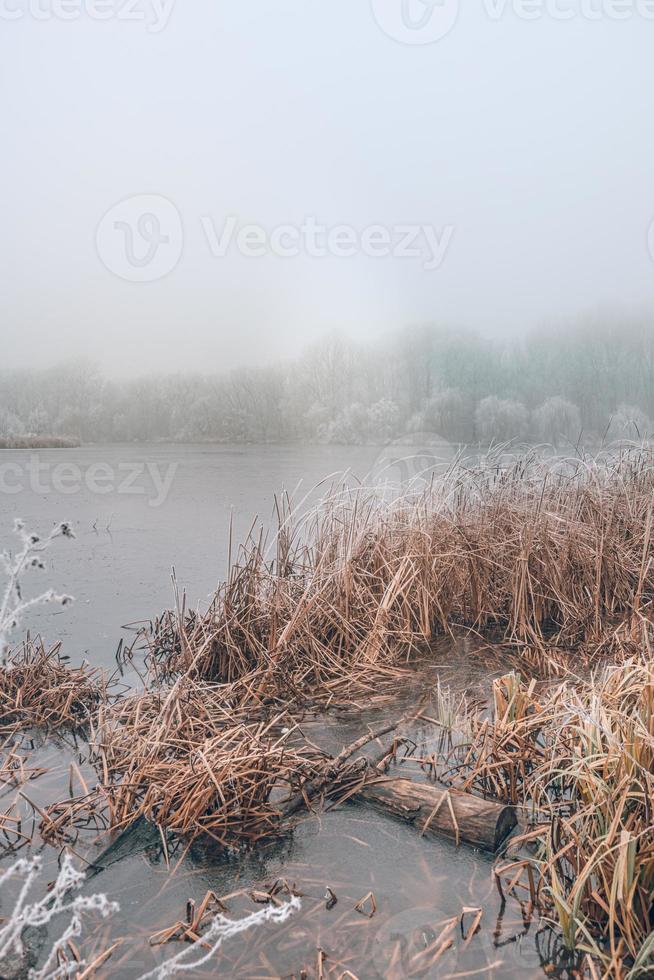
{"points": [[443, 812]]}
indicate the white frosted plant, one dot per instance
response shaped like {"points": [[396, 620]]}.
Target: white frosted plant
{"points": [[60, 900], [220, 929], [30, 556]]}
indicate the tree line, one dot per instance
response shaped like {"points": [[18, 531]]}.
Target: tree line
{"points": [[574, 382]]}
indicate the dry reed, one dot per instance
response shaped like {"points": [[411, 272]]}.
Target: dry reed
{"points": [[554, 558], [579, 757], [39, 689], [548, 556], [189, 762]]}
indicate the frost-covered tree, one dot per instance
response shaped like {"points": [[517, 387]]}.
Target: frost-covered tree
{"points": [[316, 420], [445, 414], [630, 422], [350, 427], [439, 379], [383, 420], [557, 419], [500, 419], [38, 422], [10, 424]]}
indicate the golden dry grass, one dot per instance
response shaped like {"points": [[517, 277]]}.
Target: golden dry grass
{"points": [[553, 558], [191, 763], [38, 688], [547, 555], [579, 758]]}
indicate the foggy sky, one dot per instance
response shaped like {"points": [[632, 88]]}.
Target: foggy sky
{"points": [[532, 140]]}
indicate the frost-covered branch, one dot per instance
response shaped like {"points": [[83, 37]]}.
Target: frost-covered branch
{"points": [[221, 928], [14, 606], [61, 900], [58, 901]]}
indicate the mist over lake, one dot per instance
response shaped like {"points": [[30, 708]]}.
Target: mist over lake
{"points": [[326, 490]]}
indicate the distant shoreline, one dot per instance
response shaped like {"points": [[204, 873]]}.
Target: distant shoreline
{"points": [[39, 442], [405, 442]]}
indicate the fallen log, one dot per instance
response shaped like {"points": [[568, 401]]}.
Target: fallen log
{"points": [[442, 812], [447, 812], [431, 810], [313, 787]]}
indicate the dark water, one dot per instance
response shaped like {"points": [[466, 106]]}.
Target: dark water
{"points": [[119, 571]]}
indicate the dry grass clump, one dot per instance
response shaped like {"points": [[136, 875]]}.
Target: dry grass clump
{"points": [[191, 763], [39, 689], [548, 554], [580, 758]]}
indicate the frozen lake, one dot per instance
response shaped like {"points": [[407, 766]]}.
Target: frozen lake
{"points": [[138, 511]]}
